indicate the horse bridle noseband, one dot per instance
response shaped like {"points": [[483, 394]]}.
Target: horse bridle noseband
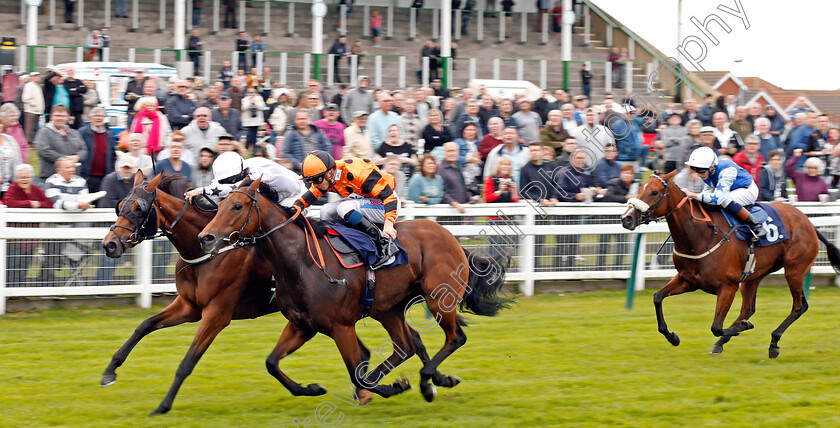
{"points": [[145, 224], [648, 215]]}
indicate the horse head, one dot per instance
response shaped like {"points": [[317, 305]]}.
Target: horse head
{"points": [[651, 202], [233, 219], [136, 217]]}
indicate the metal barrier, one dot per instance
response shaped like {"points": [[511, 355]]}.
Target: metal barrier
{"points": [[546, 244]]}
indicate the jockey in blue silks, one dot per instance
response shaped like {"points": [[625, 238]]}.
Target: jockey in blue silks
{"points": [[727, 185]]}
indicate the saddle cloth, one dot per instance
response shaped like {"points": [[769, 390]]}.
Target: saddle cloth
{"points": [[355, 248], [770, 221]]}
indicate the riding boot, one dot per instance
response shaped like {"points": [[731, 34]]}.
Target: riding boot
{"points": [[383, 243], [756, 227]]}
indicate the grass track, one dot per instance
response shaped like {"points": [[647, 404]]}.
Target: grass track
{"points": [[579, 359]]}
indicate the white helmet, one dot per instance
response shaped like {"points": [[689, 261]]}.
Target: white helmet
{"points": [[227, 165], [702, 157]]}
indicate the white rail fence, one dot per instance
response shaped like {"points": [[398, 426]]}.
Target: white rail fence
{"points": [[62, 255]]}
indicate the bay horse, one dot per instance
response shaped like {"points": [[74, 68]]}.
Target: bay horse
{"points": [[713, 261], [439, 271]]}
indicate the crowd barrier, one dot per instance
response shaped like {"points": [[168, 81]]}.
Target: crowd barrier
{"points": [[563, 243]]}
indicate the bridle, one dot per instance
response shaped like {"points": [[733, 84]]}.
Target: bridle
{"points": [[648, 215], [144, 225]]}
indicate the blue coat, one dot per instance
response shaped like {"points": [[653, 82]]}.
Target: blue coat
{"points": [[293, 145], [110, 155]]}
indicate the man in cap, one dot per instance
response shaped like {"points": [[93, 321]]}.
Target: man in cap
{"points": [[357, 138], [227, 116]]}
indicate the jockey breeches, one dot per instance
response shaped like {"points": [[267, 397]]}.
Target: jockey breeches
{"points": [[372, 209], [743, 196]]}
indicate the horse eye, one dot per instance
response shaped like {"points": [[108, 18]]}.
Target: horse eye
{"points": [[237, 206], [654, 193]]}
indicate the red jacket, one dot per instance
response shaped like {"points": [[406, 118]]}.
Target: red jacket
{"points": [[15, 197], [753, 168]]}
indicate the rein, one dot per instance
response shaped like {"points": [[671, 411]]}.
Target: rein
{"points": [[307, 230]]}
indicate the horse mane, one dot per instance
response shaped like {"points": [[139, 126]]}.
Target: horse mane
{"points": [[319, 226], [175, 185]]}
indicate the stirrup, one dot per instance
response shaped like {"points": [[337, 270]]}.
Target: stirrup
{"points": [[387, 257], [758, 233]]}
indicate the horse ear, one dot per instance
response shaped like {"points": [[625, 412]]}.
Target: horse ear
{"points": [[138, 177], [667, 177], [256, 184], [152, 186]]}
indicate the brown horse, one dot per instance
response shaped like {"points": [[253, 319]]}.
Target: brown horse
{"points": [[213, 291], [439, 271], [711, 260]]}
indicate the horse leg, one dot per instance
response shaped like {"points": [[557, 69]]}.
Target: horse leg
{"points": [[675, 286], [438, 378], [455, 338], [213, 320], [402, 346], [748, 292], [347, 343], [725, 296], [178, 312], [292, 338], [795, 281]]}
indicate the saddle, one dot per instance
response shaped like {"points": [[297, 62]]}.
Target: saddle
{"points": [[346, 254]]}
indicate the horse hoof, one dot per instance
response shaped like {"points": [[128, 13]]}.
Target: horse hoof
{"points": [[774, 351], [429, 391], [748, 325], [447, 381], [716, 350], [674, 339], [159, 411], [314, 389], [364, 396], [108, 380], [402, 384]]}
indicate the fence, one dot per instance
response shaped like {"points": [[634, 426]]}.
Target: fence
{"points": [[63, 257]]}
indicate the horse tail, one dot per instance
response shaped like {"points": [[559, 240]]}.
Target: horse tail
{"points": [[486, 278], [832, 250]]}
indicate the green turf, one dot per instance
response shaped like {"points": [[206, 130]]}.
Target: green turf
{"points": [[577, 359]]}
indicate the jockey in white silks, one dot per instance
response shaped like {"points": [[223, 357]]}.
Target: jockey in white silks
{"points": [[230, 170]]}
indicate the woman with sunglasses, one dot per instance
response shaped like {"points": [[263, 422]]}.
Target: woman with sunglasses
{"points": [[230, 170], [727, 185], [368, 197]]}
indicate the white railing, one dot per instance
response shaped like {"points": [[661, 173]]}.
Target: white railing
{"points": [[538, 238]]}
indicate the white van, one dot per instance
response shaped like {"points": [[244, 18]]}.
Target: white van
{"points": [[111, 80]]}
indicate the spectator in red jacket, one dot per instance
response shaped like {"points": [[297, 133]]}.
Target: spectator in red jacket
{"points": [[22, 194], [750, 158]]}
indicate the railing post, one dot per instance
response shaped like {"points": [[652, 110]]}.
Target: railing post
{"points": [[640, 264], [135, 15], [401, 75], [523, 28], [479, 30], [342, 9], [457, 24], [365, 22], [628, 76], [608, 76], [81, 21], [162, 23], [132, 55], [107, 13], [80, 54], [390, 29], [22, 58], [501, 27], [587, 25], [157, 56], [631, 48], [260, 61], [241, 15], [24, 13], [424, 71], [526, 258], [631, 282], [544, 18], [208, 59], [472, 67], [609, 31], [284, 65], [354, 69], [215, 16], [189, 25], [377, 78], [266, 17], [50, 54], [330, 69], [3, 252], [106, 54], [435, 24], [412, 24], [52, 14], [496, 65], [291, 15], [234, 60], [544, 74], [520, 69], [144, 273], [307, 58]]}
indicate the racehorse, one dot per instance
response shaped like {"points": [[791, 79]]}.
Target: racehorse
{"points": [[438, 270], [213, 290], [707, 258]]}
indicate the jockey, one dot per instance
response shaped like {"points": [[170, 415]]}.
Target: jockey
{"points": [[368, 197], [230, 169], [727, 185]]}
